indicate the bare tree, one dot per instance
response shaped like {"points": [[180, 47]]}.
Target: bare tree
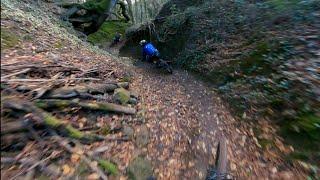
{"points": [[129, 2], [145, 9]]}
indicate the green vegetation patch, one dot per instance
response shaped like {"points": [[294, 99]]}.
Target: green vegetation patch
{"points": [[107, 31], [108, 166], [8, 39], [99, 5]]}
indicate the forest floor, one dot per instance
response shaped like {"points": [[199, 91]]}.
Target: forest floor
{"points": [[179, 121]]}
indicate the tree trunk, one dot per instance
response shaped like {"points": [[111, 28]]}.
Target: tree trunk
{"points": [[141, 11], [145, 9], [130, 10], [124, 10]]}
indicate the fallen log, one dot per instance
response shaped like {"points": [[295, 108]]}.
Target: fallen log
{"points": [[90, 105], [49, 120], [15, 127], [96, 88], [16, 141]]}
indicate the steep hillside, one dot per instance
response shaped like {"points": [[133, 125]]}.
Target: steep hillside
{"points": [[262, 57]]}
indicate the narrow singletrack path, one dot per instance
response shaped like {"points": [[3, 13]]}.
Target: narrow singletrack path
{"points": [[186, 118]]}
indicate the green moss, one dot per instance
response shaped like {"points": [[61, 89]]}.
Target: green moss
{"points": [[27, 37], [97, 5], [303, 133], [126, 78], [121, 95], [8, 39], [108, 166], [45, 104], [74, 133], [105, 130], [107, 31], [58, 45], [51, 120], [55, 123], [309, 123]]}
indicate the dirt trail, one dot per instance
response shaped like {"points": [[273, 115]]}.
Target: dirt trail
{"points": [[182, 118], [186, 118]]}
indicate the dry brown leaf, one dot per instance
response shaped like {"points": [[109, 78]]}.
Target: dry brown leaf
{"points": [[67, 169], [93, 176], [75, 158]]}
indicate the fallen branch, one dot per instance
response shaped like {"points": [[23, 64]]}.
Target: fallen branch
{"points": [[35, 66], [49, 120], [34, 165], [27, 161], [47, 80], [16, 73], [65, 144], [12, 127], [90, 105]]}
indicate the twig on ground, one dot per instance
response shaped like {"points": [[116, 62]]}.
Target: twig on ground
{"points": [[16, 73], [30, 162], [63, 143], [48, 80]]}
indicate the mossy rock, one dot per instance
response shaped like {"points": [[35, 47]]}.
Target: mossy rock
{"points": [[128, 131], [121, 95], [8, 39], [97, 5], [139, 169], [107, 32]]}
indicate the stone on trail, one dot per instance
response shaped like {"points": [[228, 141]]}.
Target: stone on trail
{"points": [[133, 101], [140, 169], [121, 95], [128, 131], [142, 136]]}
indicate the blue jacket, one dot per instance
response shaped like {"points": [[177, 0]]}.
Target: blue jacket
{"points": [[149, 50]]}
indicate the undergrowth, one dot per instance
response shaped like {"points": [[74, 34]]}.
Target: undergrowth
{"points": [[107, 32]]}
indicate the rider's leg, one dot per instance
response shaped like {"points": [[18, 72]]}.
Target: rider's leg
{"points": [[157, 59]]}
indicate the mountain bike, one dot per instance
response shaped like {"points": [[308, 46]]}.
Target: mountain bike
{"points": [[219, 170], [164, 65], [159, 63]]}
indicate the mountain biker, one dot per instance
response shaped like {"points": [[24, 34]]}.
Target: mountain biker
{"points": [[116, 38], [149, 52]]}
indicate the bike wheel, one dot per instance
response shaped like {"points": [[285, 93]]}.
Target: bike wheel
{"points": [[221, 159], [165, 66], [169, 69]]}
